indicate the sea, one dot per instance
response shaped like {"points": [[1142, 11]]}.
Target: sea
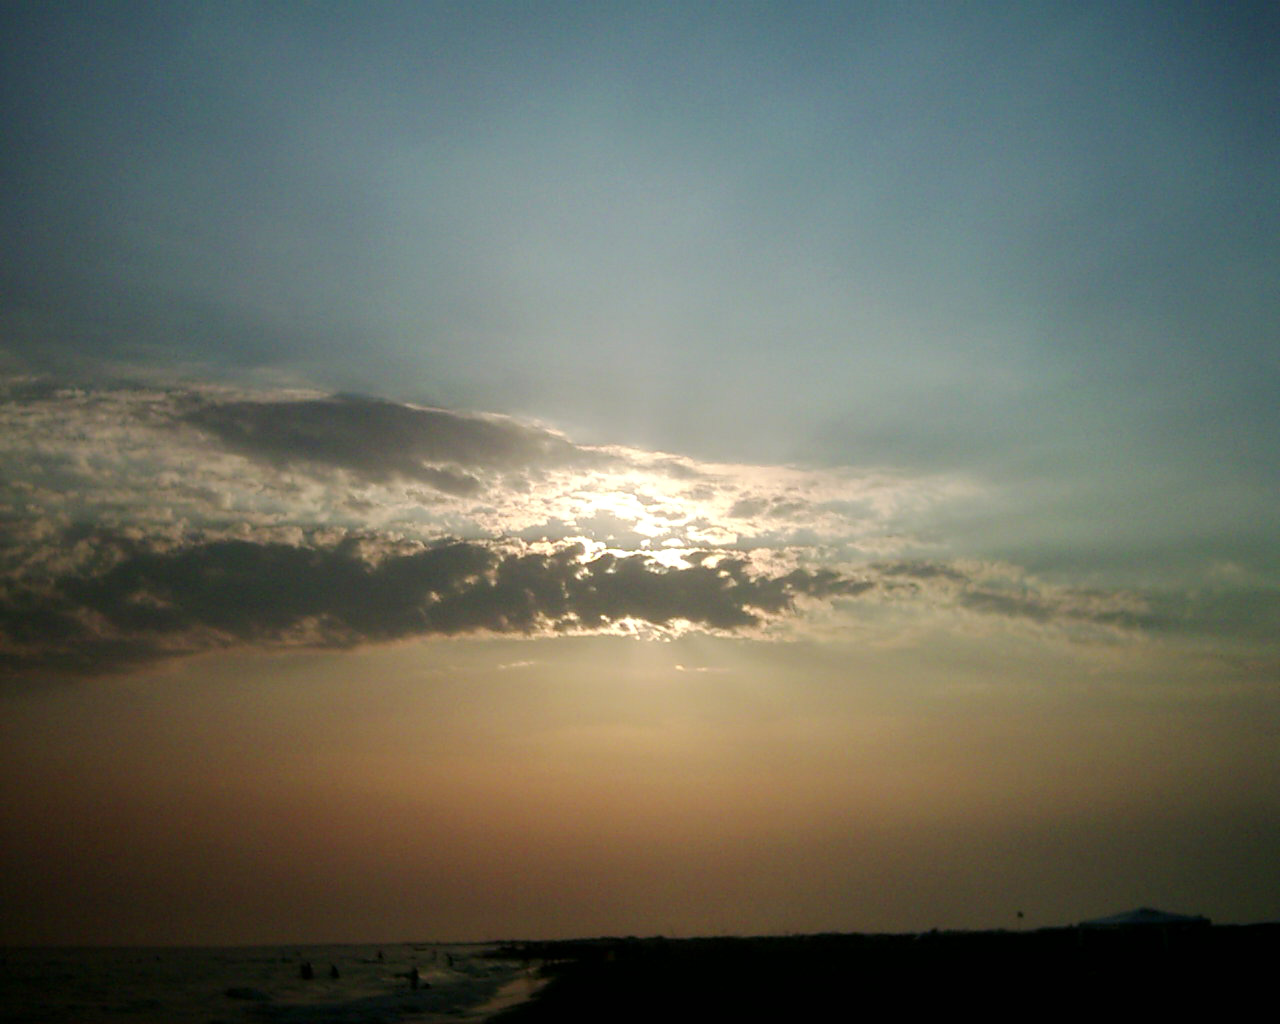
{"points": [[349, 984]]}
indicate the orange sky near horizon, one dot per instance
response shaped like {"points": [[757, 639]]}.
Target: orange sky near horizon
{"points": [[580, 786]]}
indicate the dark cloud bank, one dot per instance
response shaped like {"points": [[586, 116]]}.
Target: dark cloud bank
{"points": [[379, 440], [150, 604], [134, 601]]}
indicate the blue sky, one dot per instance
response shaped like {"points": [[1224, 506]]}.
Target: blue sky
{"points": [[871, 338], [1028, 239]]}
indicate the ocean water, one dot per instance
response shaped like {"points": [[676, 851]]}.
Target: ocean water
{"points": [[258, 985]]}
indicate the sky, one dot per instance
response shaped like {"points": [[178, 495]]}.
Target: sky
{"points": [[476, 470]]}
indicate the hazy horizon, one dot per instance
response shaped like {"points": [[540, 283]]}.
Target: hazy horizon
{"points": [[488, 470]]}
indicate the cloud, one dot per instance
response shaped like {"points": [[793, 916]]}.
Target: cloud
{"points": [[380, 440], [142, 602], [139, 523], [195, 456], [1008, 592], [117, 602]]}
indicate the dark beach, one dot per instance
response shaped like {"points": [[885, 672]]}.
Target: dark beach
{"points": [[1002, 975]]}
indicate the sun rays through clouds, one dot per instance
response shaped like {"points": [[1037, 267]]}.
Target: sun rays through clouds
{"points": [[147, 523]]}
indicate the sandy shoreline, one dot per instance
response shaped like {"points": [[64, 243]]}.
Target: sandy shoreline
{"points": [[1004, 975]]}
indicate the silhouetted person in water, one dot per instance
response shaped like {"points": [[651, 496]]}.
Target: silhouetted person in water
{"points": [[305, 972], [333, 970], [414, 977]]}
